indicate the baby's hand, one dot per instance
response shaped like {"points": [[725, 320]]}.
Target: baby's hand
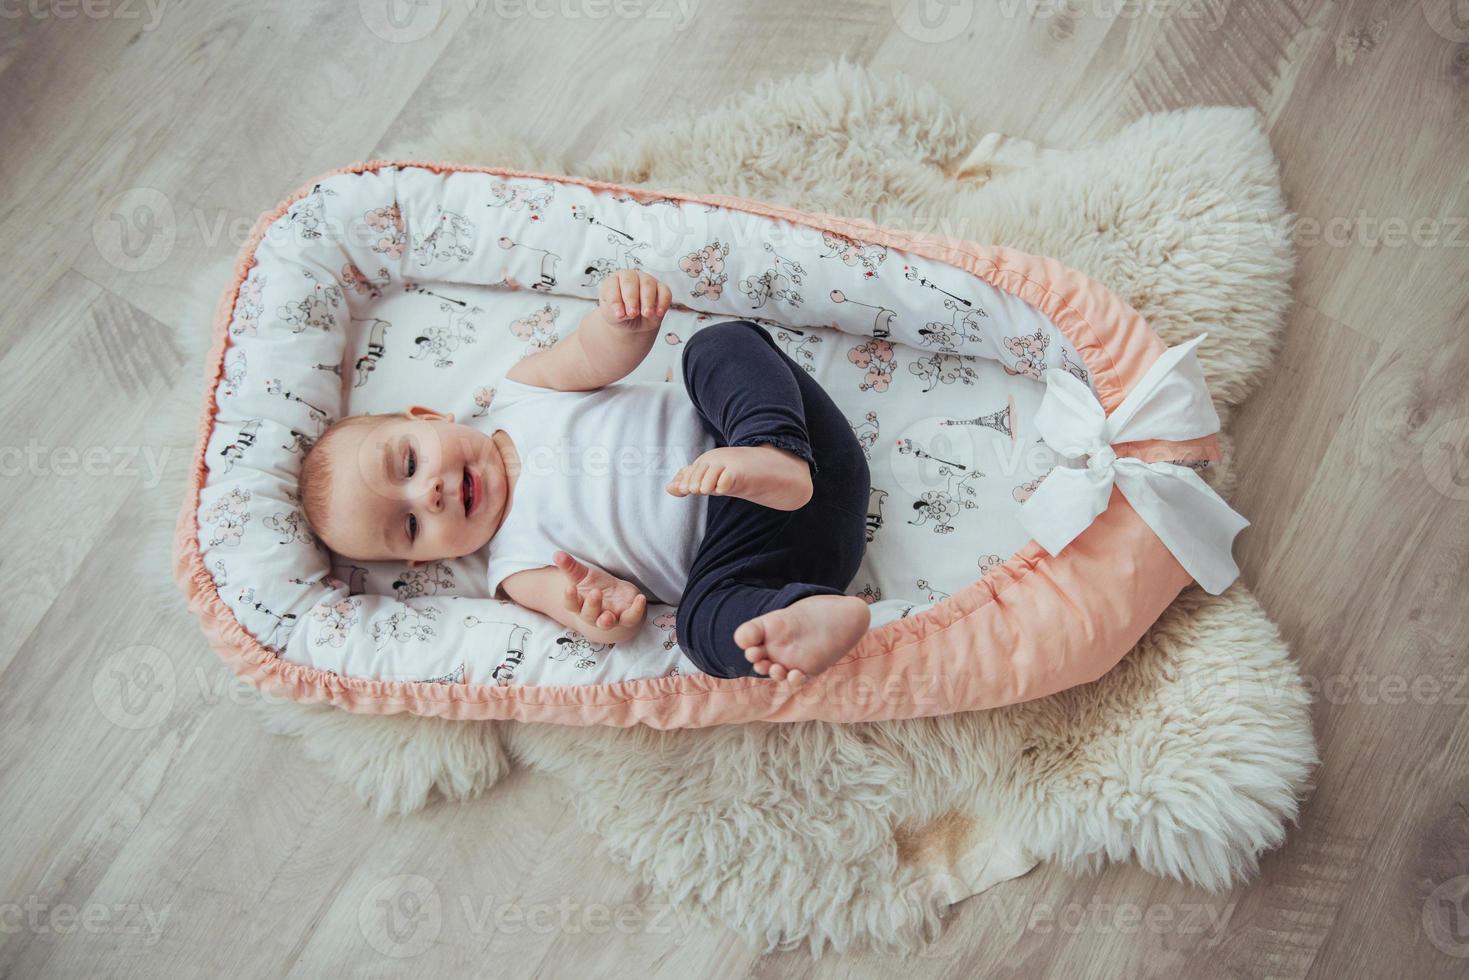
{"points": [[599, 598], [633, 300]]}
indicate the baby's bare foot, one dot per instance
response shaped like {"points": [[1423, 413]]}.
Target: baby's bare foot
{"points": [[763, 475], [804, 638]]}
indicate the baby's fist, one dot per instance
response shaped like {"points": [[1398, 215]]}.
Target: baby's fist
{"points": [[634, 300]]}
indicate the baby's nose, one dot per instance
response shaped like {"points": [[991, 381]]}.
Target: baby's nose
{"points": [[436, 494]]}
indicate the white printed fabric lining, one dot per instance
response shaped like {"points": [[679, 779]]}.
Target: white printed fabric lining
{"points": [[382, 289]]}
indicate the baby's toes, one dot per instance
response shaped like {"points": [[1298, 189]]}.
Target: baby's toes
{"points": [[750, 635], [725, 484], [711, 479]]}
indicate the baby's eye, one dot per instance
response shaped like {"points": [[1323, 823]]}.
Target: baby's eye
{"points": [[412, 462], [412, 527]]}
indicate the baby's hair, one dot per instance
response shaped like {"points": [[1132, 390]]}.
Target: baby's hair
{"points": [[315, 481]]}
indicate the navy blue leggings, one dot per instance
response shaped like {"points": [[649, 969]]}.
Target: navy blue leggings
{"points": [[753, 559]]}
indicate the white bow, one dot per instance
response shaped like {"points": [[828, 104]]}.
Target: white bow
{"points": [[1170, 402]]}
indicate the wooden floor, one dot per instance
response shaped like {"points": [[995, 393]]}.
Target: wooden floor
{"points": [[183, 842]]}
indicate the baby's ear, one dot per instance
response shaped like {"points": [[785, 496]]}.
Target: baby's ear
{"points": [[419, 412]]}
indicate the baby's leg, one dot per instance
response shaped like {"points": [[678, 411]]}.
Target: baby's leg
{"points": [[773, 583], [793, 632], [765, 594], [749, 398]]}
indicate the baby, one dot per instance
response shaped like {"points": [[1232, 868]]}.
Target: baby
{"points": [[755, 537]]}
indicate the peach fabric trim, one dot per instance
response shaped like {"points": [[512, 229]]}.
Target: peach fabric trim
{"points": [[1034, 626]]}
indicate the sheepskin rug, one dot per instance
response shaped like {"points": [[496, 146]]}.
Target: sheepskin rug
{"points": [[1189, 758]]}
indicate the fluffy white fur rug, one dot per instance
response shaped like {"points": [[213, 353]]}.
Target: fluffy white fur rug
{"points": [[1189, 758]]}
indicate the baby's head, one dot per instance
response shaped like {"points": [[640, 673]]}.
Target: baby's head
{"points": [[411, 486]]}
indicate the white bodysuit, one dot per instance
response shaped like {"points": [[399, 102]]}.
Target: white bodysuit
{"points": [[593, 467]]}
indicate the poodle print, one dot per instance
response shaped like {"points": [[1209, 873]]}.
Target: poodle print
{"points": [[418, 582], [932, 594], [234, 451], [1027, 490], [581, 650], [248, 306], [537, 328], [870, 594], [777, 283], [377, 335], [291, 526], [913, 274], [229, 514], [357, 281], [1029, 351], [854, 253], [300, 442], [504, 672], [522, 197], [988, 563], [1072, 368], [282, 623], [668, 623], [308, 215], [706, 268], [882, 317], [876, 357], [943, 369], [483, 398], [799, 350], [628, 247], [439, 341], [316, 309], [942, 506], [455, 676], [546, 274], [950, 336], [866, 433], [316, 413], [908, 447], [337, 617], [387, 224], [405, 625], [451, 239], [234, 372]]}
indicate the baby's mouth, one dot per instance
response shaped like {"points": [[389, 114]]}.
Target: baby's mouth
{"points": [[468, 492]]}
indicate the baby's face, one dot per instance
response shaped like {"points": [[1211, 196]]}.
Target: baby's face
{"points": [[414, 489]]}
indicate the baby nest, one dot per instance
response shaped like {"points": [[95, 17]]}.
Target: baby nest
{"points": [[1000, 566]]}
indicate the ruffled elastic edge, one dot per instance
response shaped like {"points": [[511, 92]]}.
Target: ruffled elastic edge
{"points": [[1115, 344]]}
